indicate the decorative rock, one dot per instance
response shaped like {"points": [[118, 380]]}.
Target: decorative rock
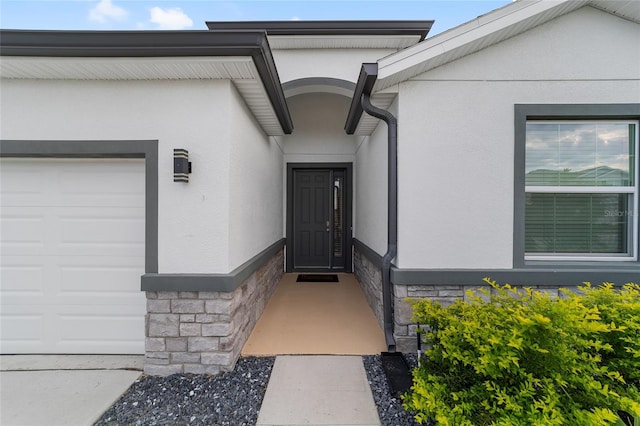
{"points": [[228, 399]]}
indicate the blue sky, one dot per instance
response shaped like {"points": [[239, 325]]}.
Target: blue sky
{"points": [[192, 14]]}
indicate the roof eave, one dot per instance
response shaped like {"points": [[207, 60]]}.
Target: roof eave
{"points": [[328, 28], [134, 44], [474, 35]]}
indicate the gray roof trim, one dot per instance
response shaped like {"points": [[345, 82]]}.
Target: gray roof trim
{"points": [[366, 81], [336, 28], [112, 44]]}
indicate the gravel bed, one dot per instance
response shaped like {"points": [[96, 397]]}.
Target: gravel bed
{"points": [[390, 408], [231, 398], [185, 399]]}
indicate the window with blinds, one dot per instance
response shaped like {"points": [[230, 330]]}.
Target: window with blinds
{"points": [[581, 190]]}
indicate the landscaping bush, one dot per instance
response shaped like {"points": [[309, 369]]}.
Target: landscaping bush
{"points": [[512, 356]]}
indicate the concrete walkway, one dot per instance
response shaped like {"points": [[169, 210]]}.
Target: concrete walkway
{"points": [[318, 390], [62, 390], [76, 390]]}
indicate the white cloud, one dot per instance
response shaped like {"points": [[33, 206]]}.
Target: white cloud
{"points": [[105, 11], [170, 19]]}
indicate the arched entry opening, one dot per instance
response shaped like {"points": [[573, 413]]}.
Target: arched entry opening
{"points": [[319, 159]]}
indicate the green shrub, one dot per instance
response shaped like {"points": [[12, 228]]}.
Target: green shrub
{"points": [[522, 357]]}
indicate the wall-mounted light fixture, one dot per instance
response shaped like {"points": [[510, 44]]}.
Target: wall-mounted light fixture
{"points": [[181, 165]]}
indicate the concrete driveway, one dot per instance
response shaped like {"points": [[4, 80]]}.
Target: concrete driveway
{"points": [[62, 390]]}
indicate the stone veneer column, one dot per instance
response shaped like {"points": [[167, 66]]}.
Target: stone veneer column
{"points": [[404, 328], [204, 332], [370, 278]]}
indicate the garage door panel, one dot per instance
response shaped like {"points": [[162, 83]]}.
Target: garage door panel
{"points": [[72, 231], [22, 332], [21, 232], [72, 255], [121, 180], [102, 233], [22, 280], [118, 275], [49, 182], [114, 280], [21, 182], [101, 331]]}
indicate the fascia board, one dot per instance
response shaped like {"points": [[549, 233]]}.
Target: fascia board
{"points": [[393, 42], [338, 28], [127, 43], [492, 27]]}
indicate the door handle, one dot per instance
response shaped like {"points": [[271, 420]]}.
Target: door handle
{"points": [[327, 226]]}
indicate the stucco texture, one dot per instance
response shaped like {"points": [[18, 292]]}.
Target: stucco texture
{"points": [[456, 133]]}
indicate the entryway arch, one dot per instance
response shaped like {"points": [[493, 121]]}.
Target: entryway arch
{"points": [[318, 85], [319, 158]]}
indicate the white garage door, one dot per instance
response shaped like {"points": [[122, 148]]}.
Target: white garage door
{"points": [[72, 241]]}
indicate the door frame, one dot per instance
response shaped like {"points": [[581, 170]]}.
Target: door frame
{"points": [[348, 209]]}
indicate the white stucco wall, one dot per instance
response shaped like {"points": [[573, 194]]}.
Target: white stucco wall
{"points": [[456, 132], [256, 190], [194, 218], [319, 134]]}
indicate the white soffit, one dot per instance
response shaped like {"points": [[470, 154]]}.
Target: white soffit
{"points": [[473, 36], [254, 95], [240, 70], [342, 42], [368, 123]]}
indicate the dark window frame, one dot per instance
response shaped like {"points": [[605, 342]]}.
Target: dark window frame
{"points": [[525, 112]]}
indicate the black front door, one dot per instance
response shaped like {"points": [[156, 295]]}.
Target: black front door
{"points": [[319, 218], [311, 223]]}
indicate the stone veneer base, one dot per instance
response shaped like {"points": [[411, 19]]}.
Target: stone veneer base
{"points": [[405, 329], [369, 276], [203, 332]]}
